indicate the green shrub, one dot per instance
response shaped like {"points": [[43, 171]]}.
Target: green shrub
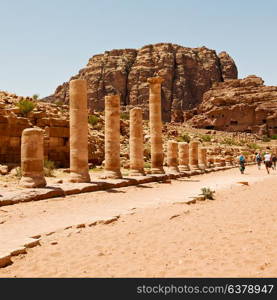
{"points": [[232, 142], [25, 106], [253, 146], [183, 138], [49, 167], [96, 169], [206, 138], [147, 165], [35, 96], [18, 172], [207, 193], [274, 137], [59, 102], [147, 152], [93, 120], [265, 139], [124, 116]]}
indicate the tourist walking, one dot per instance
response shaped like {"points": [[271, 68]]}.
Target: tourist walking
{"points": [[241, 163], [273, 160], [259, 160], [267, 161]]}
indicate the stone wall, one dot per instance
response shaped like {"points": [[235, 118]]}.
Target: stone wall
{"points": [[53, 119]]}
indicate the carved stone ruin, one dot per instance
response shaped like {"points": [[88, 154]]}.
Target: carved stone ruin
{"points": [[193, 155], [32, 158], [112, 137], [155, 119], [136, 143], [78, 131], [183, 155], [202, 158], [172, 157]]}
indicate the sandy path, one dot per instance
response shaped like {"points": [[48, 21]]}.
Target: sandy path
{"points": [[17, 222], [210, 239]]}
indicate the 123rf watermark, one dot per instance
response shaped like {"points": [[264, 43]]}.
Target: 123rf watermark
{"points": [[227, 289]]}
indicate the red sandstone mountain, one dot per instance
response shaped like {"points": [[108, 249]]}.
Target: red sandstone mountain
{"points": [[238, 105], [188, 73]]}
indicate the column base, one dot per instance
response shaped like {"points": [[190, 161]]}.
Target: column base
{"points": [[157, 170], [183, 168], [78, 178], [173, 170], [112, 174], [194, 167], [202, 166], [137, 173], [32, 182]]}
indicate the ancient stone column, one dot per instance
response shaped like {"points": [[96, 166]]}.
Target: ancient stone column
{"points": [[222, 162], [210, 162], [112, 137], [32, 158], [172, 157], [202, 158], [217, 162], [183, 149], [78, 140], [136, 143], [193, 155], [155, 118], [229, 160]]}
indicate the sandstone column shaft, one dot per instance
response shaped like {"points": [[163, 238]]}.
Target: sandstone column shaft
{"points": [[78, 131], [222, 162], [193, 155], [217, 162], [172, 157], [112, 136], [202, 158], [32, 158], [136, 143], [155, 118], [183, 156]]}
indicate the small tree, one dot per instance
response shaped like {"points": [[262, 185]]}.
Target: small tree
{"points": [[124, 116], [183, 138], [35, 96], [207, 193], [49, 167], [93, 120], [25, 106]]}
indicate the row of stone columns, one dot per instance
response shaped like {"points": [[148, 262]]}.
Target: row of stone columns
{"points": [[181, 156]]}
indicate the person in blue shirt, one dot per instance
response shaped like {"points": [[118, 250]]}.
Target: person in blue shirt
{"points": [[241, 163], [259, 160]]}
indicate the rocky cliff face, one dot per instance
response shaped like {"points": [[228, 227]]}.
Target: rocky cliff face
{"points": [[238, 105], [188, 73]]}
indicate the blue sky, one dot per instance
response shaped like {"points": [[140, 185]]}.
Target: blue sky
{"points": [[44, 43]]}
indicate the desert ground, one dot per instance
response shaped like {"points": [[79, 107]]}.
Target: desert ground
{"points": [[157, 233]]}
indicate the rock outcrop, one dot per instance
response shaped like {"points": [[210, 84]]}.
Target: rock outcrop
{"points": [[244, 105], [188, 73]]}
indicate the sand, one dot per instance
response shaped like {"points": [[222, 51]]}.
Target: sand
{"points": [[234, 235]]}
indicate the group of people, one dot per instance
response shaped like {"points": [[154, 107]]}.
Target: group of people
{"points": [[269, 159]]}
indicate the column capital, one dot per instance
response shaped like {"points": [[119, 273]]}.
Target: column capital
{"points": [[154, 80]]}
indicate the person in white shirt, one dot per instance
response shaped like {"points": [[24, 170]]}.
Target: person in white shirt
{"points": [[267, 161]]}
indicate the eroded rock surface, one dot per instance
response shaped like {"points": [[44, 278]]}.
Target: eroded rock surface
{"points": [[245, 105], [188, 73]]}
